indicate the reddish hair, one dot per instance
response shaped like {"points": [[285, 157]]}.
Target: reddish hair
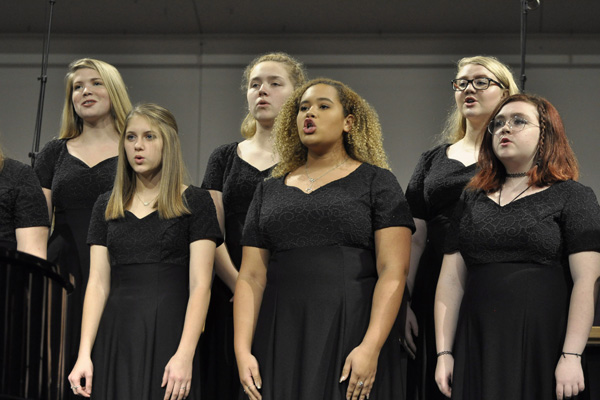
{"points": [[555, 159]]}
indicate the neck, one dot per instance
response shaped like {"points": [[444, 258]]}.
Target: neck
{"points": [[327, 159], [474, 133], [147, 184], [100, 131], [262, 138]]}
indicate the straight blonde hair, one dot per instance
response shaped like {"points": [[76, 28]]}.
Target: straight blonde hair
{"points": [[71, 124], [170, 202]]}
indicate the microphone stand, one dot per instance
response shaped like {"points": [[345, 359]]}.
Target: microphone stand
{"points": [[525, 6], [35, 147]]}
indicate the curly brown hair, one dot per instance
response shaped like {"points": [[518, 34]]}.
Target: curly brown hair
{"points": [[363, 143]]}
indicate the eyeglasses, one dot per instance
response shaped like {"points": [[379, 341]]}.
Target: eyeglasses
{"points": [[514, 123], [458, 85]]}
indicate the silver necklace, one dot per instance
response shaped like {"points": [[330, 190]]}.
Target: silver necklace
{"points": [[313, 180], [516, 197], [146, 203]]}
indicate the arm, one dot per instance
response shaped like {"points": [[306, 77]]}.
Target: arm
{"points": [[417, 246], [48, 196], [392, 249], [224, 267], [96, 294], [585, 270], [246, 305], [32, 240], [448, 297], [178, 371]]}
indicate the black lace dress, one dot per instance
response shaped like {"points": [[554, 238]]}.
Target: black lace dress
{"points": [[22, 203], [75, 187], [320, 281], [143, 318], [432, 193], [513, 316], [236, 180]]}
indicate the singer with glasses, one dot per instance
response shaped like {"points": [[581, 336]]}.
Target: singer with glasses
{"points": [[434, 188], [515, 298]]}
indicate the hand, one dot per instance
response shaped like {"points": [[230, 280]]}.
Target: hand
{"points": [[444, 374], [250, 376], [411, 330], [569, 377], [362, 363], [178, 377], [83, 369]]}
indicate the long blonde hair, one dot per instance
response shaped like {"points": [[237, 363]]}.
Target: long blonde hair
{"points": [[296, 74], [71, 124], [363, 143], [455, 126], [169, 203]]}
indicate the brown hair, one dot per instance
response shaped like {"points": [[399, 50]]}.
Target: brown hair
{"points": [[555, 159]]}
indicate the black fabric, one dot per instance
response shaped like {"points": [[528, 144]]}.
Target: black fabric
{"points": [[75, 187], [320, 281], [143, 319], [432, 193], [227, 173], [22, 203], [513, 315]]}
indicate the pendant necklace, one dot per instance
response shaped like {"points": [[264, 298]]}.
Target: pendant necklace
{"points": [[313, 180], [146, 203], [516, 197]]}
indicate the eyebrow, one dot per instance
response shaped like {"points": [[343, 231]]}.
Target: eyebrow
{"points": [[93, 80], [255, 78], [476, 77], [319, 99]]}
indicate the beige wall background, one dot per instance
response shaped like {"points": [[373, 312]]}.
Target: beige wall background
{"points": [[406, 79]]}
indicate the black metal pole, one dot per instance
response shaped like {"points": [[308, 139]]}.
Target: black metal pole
{"points": [[523, 42], [35, 147]]}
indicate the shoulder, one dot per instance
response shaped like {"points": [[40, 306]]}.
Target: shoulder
{"points": [[102, 200], [18, 172], [375, 173], [55, 146], [438, 151], [570, 190], [225, 151], [197, 197]]}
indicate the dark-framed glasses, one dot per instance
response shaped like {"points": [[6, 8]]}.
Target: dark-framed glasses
{"points": [[458, 85], [514, 123]]}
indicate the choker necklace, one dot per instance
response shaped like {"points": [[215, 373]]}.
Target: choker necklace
{"points": [[313, 180], [516, 197], [146, 203], [517, 175]]}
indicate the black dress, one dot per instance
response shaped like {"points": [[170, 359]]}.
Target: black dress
{"points": [[320, 280], [143, 319], [22, 203], [432, 193], [513, 317], [236, 180], [75, 187]]}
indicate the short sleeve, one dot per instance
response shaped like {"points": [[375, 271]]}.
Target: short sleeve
{"points": [[215, 169], [389, 206], [252, 233], [97, 233], [45, 162], [30, 204], [415, 191], [204, 223], [580, 220]]}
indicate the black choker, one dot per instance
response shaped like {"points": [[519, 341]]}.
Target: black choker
{"points": [[517, 175]]}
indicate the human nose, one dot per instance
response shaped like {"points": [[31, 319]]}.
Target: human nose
{"points": [[309, 112], [470, 86], [262, 90], [86, 90], [138, 144]]}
